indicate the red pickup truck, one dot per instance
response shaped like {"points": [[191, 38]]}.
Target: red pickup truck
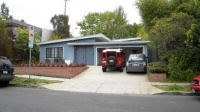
{"points": [[195, 85]]}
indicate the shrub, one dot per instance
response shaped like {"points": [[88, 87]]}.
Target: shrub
{"points": [[47, 60], [33, 59], [157, 67], [58, 60], [178, 73]]}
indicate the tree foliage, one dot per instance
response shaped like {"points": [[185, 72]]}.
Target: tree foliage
{"points": [[173, 27], [112, 24], [21, 44], [61, 25], [141, 32], [152, 10], [193, 36], [5, 49], [5, 12]]}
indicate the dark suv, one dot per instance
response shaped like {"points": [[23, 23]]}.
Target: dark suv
{"points": [[113, 58], [6, 71]]}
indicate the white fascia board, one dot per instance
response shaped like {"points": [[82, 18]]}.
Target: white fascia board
{"points": [[110, 43], [75, 38]]}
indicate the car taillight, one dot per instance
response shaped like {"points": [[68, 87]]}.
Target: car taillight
{"points": [[103, 61], [127, 64], [144, 64]]}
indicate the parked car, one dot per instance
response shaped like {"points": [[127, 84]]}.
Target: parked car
{"points": [[6, 71], [136, 63], [195, 85], [113, 58]]}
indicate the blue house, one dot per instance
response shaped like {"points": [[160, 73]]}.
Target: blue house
{"points": [[88, 49]]}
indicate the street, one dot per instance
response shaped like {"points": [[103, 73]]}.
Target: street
{"points": [[21, 99]]}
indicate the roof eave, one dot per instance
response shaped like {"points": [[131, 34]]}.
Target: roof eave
{"points": [[109, 43]]}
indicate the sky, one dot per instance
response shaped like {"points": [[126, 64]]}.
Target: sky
{"points": [[39, 12]]}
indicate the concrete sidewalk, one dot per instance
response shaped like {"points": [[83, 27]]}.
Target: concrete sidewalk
{"points": [[112, 82]]}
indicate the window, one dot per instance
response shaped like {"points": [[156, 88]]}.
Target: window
{"points": [[56, 52]]}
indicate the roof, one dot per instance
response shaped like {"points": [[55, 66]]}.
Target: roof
{"points": [[129, 39], [111, 43], [99, 36], [18, 23]]}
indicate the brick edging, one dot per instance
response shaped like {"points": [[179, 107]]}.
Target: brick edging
{"points": [[68, 72]]}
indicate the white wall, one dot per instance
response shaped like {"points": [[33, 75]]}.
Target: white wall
{"points": [[46, 34]]}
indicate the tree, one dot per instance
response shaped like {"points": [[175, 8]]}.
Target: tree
{"points": [[193, 36], [133, 29], [169, 33], [21, 44], [5, 45], [112, 24], [60, 25], [141, 32], [152, 10], [5, 12], [55, 37]]}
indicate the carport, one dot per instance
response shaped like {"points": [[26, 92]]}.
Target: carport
{"points": [[96, 49]]}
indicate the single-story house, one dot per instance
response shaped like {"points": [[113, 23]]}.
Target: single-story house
{"points": [[88, 49]]}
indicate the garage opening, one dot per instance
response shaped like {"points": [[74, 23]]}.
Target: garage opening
{"points": [[127, 50]]}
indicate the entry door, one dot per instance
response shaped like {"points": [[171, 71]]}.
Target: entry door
{"points": [[84, 54], [89, 55], [80, 54]]}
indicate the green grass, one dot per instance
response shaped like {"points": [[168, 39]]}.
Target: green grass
{"points": [[174, 88], [37, 82]]}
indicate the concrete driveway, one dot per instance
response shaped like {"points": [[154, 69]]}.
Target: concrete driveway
{"points": [[115, 82]]}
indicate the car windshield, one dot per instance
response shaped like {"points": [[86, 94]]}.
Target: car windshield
{"points": [[135, 57]]}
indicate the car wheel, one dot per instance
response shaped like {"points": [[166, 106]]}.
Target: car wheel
{"points": [[104, 69], [127, 71], [121, 69], [4, 83]]}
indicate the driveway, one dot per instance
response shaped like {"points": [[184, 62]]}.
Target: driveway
{"points": [[114, 82]]}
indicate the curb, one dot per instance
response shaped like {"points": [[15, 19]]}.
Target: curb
{"points": [[26, 86], [178, 94]]}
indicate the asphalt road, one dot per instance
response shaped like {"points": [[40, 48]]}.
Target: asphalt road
{"points": [[20, 99]]}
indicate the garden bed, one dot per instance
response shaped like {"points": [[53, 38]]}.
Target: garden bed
{"points": [[60, 72]]}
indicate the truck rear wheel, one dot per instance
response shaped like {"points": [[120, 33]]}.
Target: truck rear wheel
{"points": [[104, 69], [121, 69]]}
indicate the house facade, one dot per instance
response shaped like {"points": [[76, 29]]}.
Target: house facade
{"points": [[88, 49]]}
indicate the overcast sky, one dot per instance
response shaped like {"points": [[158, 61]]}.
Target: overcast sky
{"points": [[39, 12]]}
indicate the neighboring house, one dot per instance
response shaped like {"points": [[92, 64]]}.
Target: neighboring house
{"points": [[46, 34], [88, 49], [13, 24]]}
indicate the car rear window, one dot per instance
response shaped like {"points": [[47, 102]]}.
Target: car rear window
{"points": [[110, 54], [135, 57]]}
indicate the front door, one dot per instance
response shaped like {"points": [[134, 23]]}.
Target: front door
{"points": [[84, 54]]}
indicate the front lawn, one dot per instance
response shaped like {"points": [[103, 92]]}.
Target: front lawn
{"points": [[36, 82], [174, 88]]}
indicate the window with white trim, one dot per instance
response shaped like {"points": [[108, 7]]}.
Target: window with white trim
{"points": [[56, 52]]}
